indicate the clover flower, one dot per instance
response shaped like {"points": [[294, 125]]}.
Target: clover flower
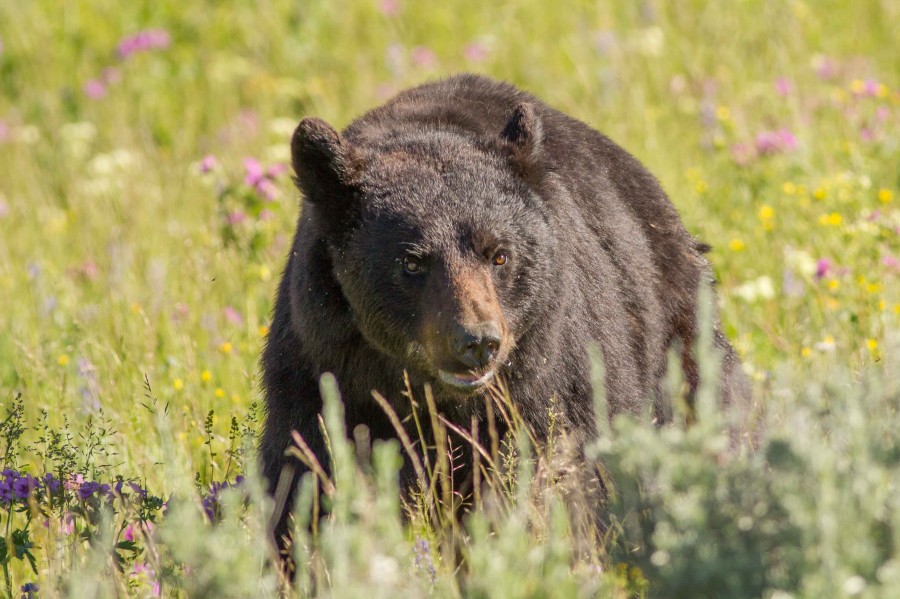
{"points": [[149, 39]]}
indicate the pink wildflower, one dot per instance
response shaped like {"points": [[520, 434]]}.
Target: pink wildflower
{"points": [[254, 172], [423, 57], [94, 89], [784, 86], [774, 142], [149, 39], [475, 52], [129, 533], [891, 262], [389, 8], [826, 68], [208, 163], [823, 267], [233, 316], [235, 218]]}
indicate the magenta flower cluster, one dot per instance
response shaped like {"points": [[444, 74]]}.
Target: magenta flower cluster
{"points": [[262, 180], [142, 41]]}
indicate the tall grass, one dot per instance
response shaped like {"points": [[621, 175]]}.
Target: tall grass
{"points": [[139, 250]]}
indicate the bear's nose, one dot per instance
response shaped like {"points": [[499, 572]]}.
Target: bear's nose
{"points": [[475, 346]]}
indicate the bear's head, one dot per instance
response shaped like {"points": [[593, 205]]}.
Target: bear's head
{"points": [[440, 243]]}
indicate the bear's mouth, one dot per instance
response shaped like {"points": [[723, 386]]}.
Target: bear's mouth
{"points": [[466, 381]]}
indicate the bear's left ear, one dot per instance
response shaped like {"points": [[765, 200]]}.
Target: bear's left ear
{"points": [[524, 134]]}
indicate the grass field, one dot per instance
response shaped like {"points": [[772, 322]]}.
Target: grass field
{"points": [[145, 213]]}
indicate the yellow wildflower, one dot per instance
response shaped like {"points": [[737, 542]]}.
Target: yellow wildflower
{"points": [[819, 193], [789, 188], [226, 347], [178, 384], [220, 393], [206, 376], [885, 195], [736, 245], [62, 360]]}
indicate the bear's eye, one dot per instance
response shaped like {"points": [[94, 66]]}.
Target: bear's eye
{"points": [[500, 258], [413, 266]]}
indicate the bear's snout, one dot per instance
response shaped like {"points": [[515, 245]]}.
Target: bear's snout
{"points": [[476, 346]]}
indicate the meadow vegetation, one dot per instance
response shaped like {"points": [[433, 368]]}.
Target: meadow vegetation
{"points": [[146, 209]]}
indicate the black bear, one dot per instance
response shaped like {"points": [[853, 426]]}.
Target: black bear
{"points": [[465, 232]]}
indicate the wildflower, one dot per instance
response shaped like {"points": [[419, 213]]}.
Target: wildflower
{"points": [[29, 589], [475, 52], [742, 153], [50, 483], [62, 360], [826, 68], [826, 344], [94, 89], [891, 262], [766, 215], [833, 219], [226, 347], [233, 316], [805, 352], [149, 39], [736, 245], [834, 285], [235, 217], [784, 86], [263, 331], [178, 384], [872, 344], [206, 376], [723, 113], [219, 392], [423, 57], [389, 8], [24, 485], [819, 193], [208, 163], [129, 533], [774, 142], [885, 195], [823, 267]]}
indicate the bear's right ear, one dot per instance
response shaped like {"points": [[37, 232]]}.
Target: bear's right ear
{"points": [[325, 163], [524, 136]]}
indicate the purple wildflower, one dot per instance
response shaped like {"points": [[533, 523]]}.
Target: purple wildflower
{"points": [[24, 486], [823, 267], [137, 489], [29, 589], [6, 490], [149, 39], [94, 89], [51, 483], [423, 559]]}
